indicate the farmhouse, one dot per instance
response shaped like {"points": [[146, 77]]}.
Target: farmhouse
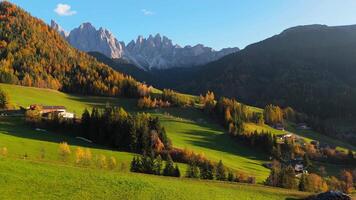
{"points": [[59, 111]]}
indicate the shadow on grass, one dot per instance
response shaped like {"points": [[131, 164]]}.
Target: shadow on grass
{"points": [[212, 137], [223, 143], [93, 101], [15, 126]]}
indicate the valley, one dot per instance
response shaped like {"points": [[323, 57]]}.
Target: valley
{"points": [[84, 115]]}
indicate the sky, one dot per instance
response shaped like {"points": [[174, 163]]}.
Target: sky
{"points": [[214, 23]]}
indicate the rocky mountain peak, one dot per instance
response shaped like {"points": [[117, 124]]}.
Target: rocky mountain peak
{"points": [[156, 51], [58, 28]]}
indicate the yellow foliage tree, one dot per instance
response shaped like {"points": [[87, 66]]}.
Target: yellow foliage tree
{"points": [[112, 164], [4, 151], [83, 157], [64, 150]]}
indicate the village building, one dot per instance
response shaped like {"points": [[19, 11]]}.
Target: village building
{"points": [[59, 111]]}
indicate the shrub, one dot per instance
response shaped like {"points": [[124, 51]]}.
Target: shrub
{"points": [[3, 151], [112, 164], [83, 157], [102, 162], [64, 150]]}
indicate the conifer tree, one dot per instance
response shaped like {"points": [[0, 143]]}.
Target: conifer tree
{"points": [[288, 179], [176, 171], [220, 172], [230, 176], [169, 168], [158, 165], [192, 171]]}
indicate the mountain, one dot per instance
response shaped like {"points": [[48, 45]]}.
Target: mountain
{"points": [[33, 54], [160, 53], [87, 38], [311, 68], [59, 29], [147, 53]]}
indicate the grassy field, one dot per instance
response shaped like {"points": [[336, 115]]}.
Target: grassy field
{"points": [[33, 160], [36, 180], [187, 128]]}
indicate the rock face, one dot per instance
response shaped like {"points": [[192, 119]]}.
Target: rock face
{"points": [[147, 53], [59, 29], [159, 52], [87, 38]]}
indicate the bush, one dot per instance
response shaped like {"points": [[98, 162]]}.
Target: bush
{"points": [[64, 150], [102, 162], [112, 164], [83, 157], [3, 151]]}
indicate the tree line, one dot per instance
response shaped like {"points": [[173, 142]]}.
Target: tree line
{"points": [[111, 126], [284, 176]]}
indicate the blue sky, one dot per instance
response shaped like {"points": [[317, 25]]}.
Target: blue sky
{"points": [[215, 23]]}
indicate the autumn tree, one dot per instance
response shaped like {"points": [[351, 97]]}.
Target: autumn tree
{"points": [[347, 181], [4, 100]]}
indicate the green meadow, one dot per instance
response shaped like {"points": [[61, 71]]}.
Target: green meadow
{"points": [[186, 127], [34, 169], [37, 180]]}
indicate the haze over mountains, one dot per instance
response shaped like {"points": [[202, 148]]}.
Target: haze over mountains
{"points": [[157, 51]]}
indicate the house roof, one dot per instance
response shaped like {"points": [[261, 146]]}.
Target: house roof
{"points": [[53, 107]]}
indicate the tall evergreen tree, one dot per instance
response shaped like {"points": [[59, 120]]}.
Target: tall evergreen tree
{"points": [[158, 165], [193, 171], [207, 171], [288, 179], [176, 171], [220, 172], [169, 168]]}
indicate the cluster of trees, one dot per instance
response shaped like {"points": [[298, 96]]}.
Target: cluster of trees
{"points": [[274, 114], [148, 102], [113, 127], [284, 176], [176, 99], [234, 115], [149, 164], [211, 171], [84, 157], [4, 100], [32, 54]]}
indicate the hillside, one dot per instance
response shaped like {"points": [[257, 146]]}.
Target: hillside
{"points": [[33, 54], [187, 128], [311, 68], [35, 152], [66, 182]]}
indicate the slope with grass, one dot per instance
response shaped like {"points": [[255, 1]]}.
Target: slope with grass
{"points": [[32, 158], [188, 128], [50, 181]]}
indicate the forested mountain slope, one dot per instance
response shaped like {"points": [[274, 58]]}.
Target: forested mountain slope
{"points": [[33, 54], [311, 68]]}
